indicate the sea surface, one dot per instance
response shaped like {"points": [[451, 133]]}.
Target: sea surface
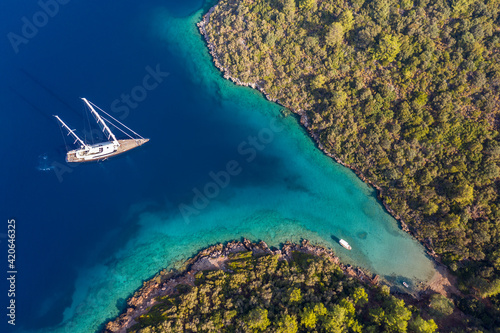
{"points": [[223, 163]]}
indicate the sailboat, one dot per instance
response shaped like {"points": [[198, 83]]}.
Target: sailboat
{"points": [[102, 150]]}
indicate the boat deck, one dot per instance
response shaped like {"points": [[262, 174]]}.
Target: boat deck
{"points": [[125, 145]]}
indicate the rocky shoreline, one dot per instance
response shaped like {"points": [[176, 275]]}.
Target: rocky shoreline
{"points": [[225, 71], [214, 258], [304, 120]]}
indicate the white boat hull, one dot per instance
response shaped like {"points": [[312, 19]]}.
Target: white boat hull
{"points": [[102, 151], [345, 244]]}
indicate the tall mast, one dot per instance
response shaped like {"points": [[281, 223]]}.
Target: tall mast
{"points": [[71, 132], [99, 120]]}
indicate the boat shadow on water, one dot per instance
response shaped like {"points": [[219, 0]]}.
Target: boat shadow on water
{"points": [[335, 239]]}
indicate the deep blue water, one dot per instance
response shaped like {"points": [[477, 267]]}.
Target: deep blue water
{"points": [[87, 235], [96, 50]]}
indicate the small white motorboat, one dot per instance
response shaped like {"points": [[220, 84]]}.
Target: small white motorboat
{"points": [[345, 244]]}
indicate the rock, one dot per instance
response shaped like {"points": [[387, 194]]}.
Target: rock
{"points": [[248, 245]]}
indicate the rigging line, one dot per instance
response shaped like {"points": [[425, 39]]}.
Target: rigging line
{"points": [[118, 128], [115, 120], [90, 126], [85, 132], [64, 138], [115, 126], [101, 127]]}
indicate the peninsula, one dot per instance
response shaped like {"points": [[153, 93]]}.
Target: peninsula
{"points": [[248, 287]]}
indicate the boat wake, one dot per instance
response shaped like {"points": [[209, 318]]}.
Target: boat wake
{"points": [[43, 163]]}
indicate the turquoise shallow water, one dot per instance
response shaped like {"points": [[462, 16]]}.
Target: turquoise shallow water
{"points": [[288, 191], [294, 192]]}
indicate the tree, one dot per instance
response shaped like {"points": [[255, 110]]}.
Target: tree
{"points": [[490, 288], [257, 319], [347, 20], [430, 208], [419, 325], [340, 98], [320, 310], [461, 6], [318, 81], [388, 48], [377, 315], [287, 324], [491, 171], [289, 9], [308, 318], [440, 305], [335, 320], [463, 194], [295, 295], [406, 4], [381, 10], [335, 35], [307, 5], [397, 315], [360, 296]]}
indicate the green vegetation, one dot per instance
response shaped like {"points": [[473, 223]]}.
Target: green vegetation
{"points": [[407, 92], [440, 305], [264, 294]]}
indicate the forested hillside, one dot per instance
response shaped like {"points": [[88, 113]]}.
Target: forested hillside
{"points": [[406, 92], [262, 294]]}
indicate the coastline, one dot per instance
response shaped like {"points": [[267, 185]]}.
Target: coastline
{"points": [[304, 120], [215, 257], [443, 281]]}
